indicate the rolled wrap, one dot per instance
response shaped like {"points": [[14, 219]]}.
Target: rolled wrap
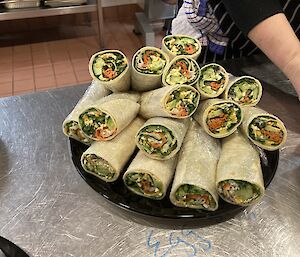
{"points": [[213, 80], [263, 129], [70, 125], [148, 64], [219, 118], [168, 134], [130, 95], [174, 45], [174, 102], [111, 69], [245, 90], [195, 176], [182, 70], [239, 178], [112, 155], [148, 177], [102, 121]]}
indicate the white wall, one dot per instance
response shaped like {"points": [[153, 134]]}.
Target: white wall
{"points": [[106, 3]]}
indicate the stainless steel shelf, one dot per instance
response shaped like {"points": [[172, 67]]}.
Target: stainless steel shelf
{"points": [[25, 13], [91, 6]]}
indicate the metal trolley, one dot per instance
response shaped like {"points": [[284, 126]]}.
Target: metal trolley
{"points": [[154, 10]]}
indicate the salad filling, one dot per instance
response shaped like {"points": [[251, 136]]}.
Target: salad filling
{"points": [[97, 124], [223, 117], [182, 71], [194, 197], [266, 130], [212, 79], [98, 166], [238, 191], [181, 45], [109, 65], [245, 91], [144, 184], [73, 130], [157, 140], [150, 62], [182, 102]]}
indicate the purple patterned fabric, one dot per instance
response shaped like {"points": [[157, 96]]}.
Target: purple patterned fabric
{"points": [[200, 15]]}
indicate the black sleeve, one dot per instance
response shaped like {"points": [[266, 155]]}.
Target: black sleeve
{"points": [[248, 13]]}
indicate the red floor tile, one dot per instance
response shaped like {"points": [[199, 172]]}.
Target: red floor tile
{"points": [[66, 79], [23, 74], [83, 76], [6, 77], [43, 71], [6, 88], [22, 65], [45, 82], [63, 67], [23, 86], [80, 64]]}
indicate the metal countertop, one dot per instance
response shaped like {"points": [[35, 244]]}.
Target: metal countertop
{"points": [[48, 209]]}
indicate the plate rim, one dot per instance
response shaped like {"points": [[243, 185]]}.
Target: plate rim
{"points": [[236, 209]]}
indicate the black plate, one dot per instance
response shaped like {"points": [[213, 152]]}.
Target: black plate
{"points": [[118, 194]]}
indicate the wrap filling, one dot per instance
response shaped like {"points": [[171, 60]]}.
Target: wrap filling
{"points": [[182, 102], [109, 65], [222, 117], [73, 130], [212, 79], [244, 91], [266, 130], [238, 191], [150, 62], [98, 166], [183, 71], [181, 45], [194, 196], [97, 124], [145, 184], [157, 140]]}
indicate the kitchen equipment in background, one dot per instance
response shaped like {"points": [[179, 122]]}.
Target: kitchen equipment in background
{"points": [[154, 10], [62, 3], [17, 4]]}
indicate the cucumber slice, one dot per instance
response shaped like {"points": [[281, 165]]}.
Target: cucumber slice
{"points": [[111, 124], [238, 92], [171, 105]]}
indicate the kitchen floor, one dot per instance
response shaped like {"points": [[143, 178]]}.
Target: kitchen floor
{"points": [[38, 66]]}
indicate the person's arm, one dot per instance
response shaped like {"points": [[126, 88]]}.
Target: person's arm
{"points": [[275, 37], [265, 24]]}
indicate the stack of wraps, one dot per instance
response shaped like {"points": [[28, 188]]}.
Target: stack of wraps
{"points": [[194, 182], [175, 102], [213, 80], [182, 70], [106, 160], [219, 118], [104, 119], [263, 129], [71, 124], [161, 138], [110, 68], [148, 177], [239, 177], [174, 45], [148, 65], [245, 90]]}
